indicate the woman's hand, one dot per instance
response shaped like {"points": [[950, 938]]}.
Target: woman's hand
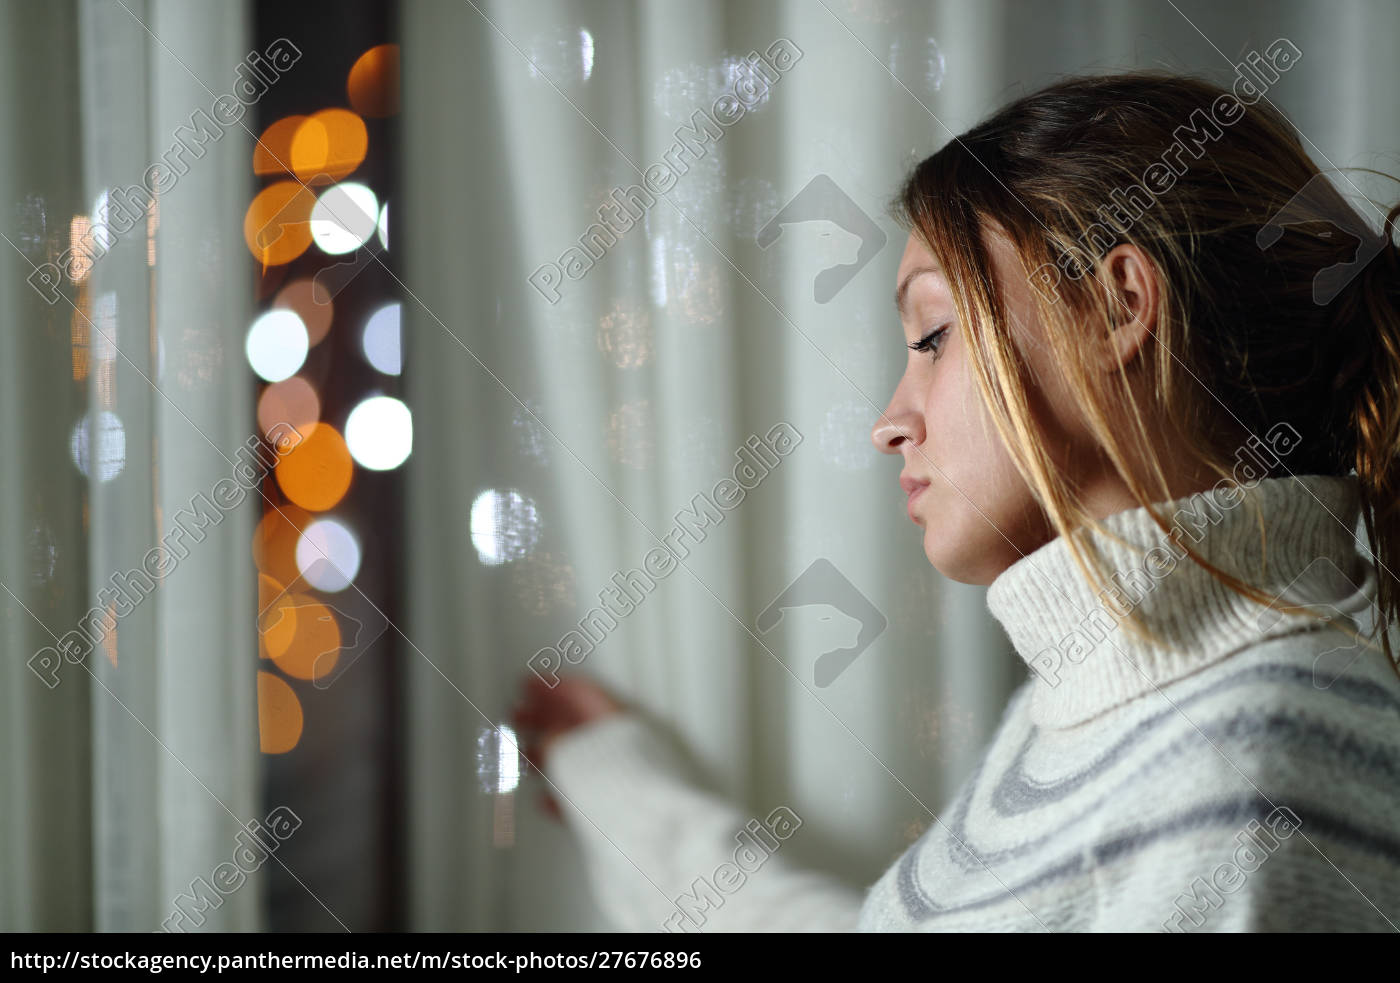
{"points": [[545, 713]]}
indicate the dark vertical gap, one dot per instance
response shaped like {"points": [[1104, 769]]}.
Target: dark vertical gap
{"points": [[344, 778]]}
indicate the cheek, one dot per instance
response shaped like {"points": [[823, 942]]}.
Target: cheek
{"points": [[960, 430], [979, 508], [977, 471]]}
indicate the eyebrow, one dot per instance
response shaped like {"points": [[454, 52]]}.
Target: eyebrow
{"points": [[902, 291]]}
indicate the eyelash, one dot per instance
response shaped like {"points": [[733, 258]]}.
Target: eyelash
{"points": [[926, 343]]}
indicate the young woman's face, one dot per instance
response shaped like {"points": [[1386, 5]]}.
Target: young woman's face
{"points": [[977, 513]]}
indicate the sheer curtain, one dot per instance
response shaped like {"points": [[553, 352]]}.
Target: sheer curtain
{"points": [[568, 412], [130, 763]]}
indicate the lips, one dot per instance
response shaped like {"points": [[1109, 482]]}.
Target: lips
{"points": [[913, 487]]}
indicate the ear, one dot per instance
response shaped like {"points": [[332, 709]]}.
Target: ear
{"points": [[1130, 279]]}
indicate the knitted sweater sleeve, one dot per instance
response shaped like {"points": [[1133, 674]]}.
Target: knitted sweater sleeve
{"points": [[664, 855]]}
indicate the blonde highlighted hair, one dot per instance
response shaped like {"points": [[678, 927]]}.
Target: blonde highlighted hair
{"points": [[1266, 315]]}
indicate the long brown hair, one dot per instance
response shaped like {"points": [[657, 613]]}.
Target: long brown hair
{"points": [[1266, 314]]}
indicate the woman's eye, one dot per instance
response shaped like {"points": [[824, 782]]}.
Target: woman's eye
{"points": [[931, 342]]}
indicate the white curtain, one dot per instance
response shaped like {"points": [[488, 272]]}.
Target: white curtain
{"points": [[559, 436], [127, 771]]}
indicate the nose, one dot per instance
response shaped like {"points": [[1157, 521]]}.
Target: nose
{"points": [[896, 425]]}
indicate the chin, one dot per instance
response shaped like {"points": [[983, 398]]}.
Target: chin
{"points": [[976, 564]]}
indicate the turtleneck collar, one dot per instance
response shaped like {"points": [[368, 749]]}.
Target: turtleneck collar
{"points": [[1085, 662]]}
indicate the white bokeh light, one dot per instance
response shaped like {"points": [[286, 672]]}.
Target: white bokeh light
{"points": [[277, 344], [498, 759], [110, 447], [585, 51], [43, 553], [381, 339], [658, 271], [379, 433], [344, 218], [328, 555], [104, 327], [505, 526], [102, 235]]}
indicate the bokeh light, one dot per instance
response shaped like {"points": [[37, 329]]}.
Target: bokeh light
{"points": [[109, 446], [329, 145], [379, 433], [344, 218], [42, 553], [275, 542], [272, 154], [277, 618], [381, 339], [277, 345], [104, 327], [292, 402], [277, 227], [315, 648], [316, 473], [312, 305], [625, 335], [102, 236], [585, 50], [80, 248], [504, 526], [543, 583], [328, 555], [498, 759], [631, 434], [279, 715], [373, 83]]}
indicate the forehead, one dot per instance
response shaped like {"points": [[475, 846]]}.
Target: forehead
{"points": [[916, 254], [917, 275]]}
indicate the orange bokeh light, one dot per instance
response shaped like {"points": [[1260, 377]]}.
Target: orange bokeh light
{"points": [[312, 305], [316, 472], [275, 544], [277, 618], [315, 649], [328, 145], [292, 402], [109, 638], [272, 154], [373, 84], [279, 715], [79, 331], [80, 245], [277, 227]]}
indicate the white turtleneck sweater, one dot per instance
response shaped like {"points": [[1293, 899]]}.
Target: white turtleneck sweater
{"points": [[1242, 772]]}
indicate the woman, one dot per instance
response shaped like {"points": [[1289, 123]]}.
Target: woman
{"points": [[1153, 386]]}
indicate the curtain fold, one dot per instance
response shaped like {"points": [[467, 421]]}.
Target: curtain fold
{"points": [[130, 761], [47, 855]]}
